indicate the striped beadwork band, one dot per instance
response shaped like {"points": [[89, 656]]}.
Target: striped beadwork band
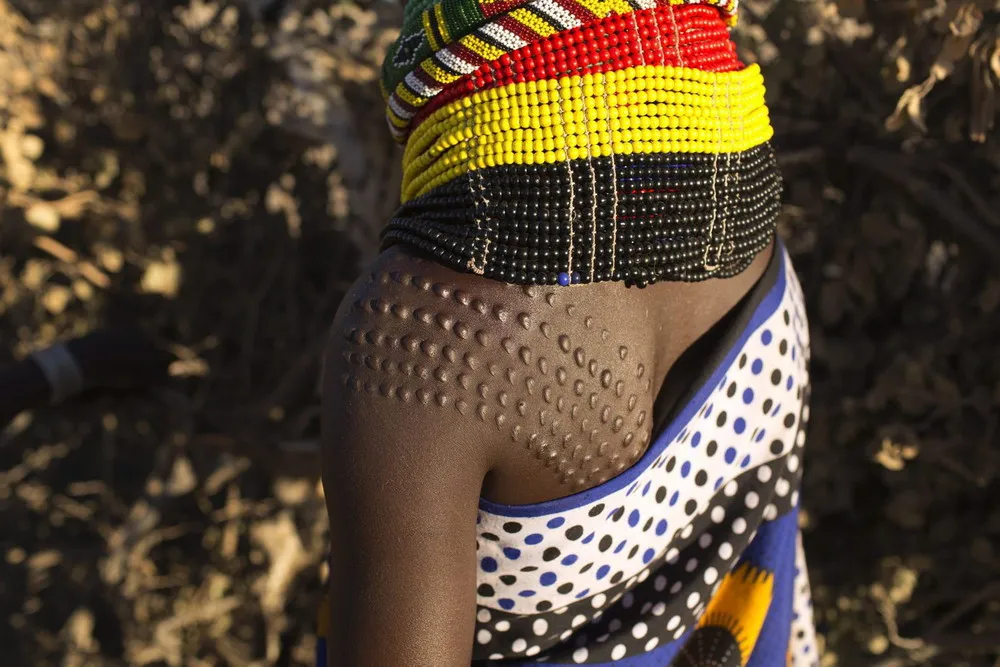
{"points": [[631, 146]]}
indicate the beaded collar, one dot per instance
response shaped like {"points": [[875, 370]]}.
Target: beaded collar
{"points": [[577, 141]]}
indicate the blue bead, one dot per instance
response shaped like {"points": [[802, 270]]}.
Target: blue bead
{"points": [[527, 594], [661, 527], [766, 337], [730, 455], [588, 539], [621, 545], [575, 277], [602, 571], [633, 518], [645, 489], [648, 555], [673, 498], [548, 578], [570, 559], [534, 538], [686, 469], [511, 553], [757, 366], [556, 522], [696, 439], [740, 425], [582, 593], [506, 603], [748, 396], [564, 279], [745, 462], [488, 564]]}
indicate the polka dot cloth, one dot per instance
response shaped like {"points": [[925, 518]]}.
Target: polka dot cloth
{"points": [[628, 568]]}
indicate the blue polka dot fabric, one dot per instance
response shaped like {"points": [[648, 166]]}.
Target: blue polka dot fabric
{"points": [[692, 557]]}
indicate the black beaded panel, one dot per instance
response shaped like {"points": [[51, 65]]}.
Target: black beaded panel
{"points": [[636, 218]]}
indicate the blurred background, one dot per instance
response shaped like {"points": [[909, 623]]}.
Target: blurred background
{"points": [[215, 172]]}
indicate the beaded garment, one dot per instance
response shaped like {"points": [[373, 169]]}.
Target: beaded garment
{"points": [[577, 141]]}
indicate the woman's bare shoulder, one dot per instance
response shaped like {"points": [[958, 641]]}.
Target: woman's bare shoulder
{"points": [[555, 382]]}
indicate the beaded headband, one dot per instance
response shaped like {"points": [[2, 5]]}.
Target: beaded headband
{"points": [[576, 141]]}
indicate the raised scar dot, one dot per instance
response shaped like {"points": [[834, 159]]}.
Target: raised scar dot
{"points": [[423, 283], [578, 387], [461, 406], [602, 449], [616, 425], [579, 357], [632, 400], [386, 389], [642, 418], [510, 375], [593, 401], [429, 348], [640, 371], [482, 411], [564, 343], [550, 298], [623, 352], [574, 411], [440, 374], [629, 437], [479, 306], [524, 319], [606, 414], [547, 394], [502, 398], [421, 371], [606, 378], [463, 379], [546, 329], [525, 355], [531, 291], [515, 432], [386, 365], [449, 353], [482, 338], [561, 375], [470, 361], [441, 399], [604, 334], [423, 396], [494, 369], [588, 321], [592, 367], [543, 365], [543, 416], [500, 419], [445, 321], [529, 384], [483, 389], [422, 315], [370, 387], [404, 394], [508, 345], [500, 313], [442, 291], [463, 297], [462, 330], [619, 388], [570, 309], [371, 362], [522, 408], [406, 367]]}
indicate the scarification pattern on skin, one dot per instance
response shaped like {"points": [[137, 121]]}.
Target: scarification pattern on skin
{"points": [[504, 361]]}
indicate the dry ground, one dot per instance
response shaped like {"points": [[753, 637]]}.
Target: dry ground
{"points": [[216, 173]]}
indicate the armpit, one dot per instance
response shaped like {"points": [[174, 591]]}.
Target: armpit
{"points": [[522, 366]]}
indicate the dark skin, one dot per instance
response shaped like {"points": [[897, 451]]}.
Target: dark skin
{"points": [[441, 387]]}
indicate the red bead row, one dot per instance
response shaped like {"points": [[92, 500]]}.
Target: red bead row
{"points": [[692, 36]]}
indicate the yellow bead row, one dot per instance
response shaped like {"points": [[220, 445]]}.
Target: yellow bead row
{"points": [[516, 125], [646, 83], [626, 125]]}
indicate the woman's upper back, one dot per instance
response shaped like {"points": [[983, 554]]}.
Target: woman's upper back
{"points": [[556, 385]]}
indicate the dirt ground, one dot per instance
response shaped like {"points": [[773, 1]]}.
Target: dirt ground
{"points": [[215, 171]]}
